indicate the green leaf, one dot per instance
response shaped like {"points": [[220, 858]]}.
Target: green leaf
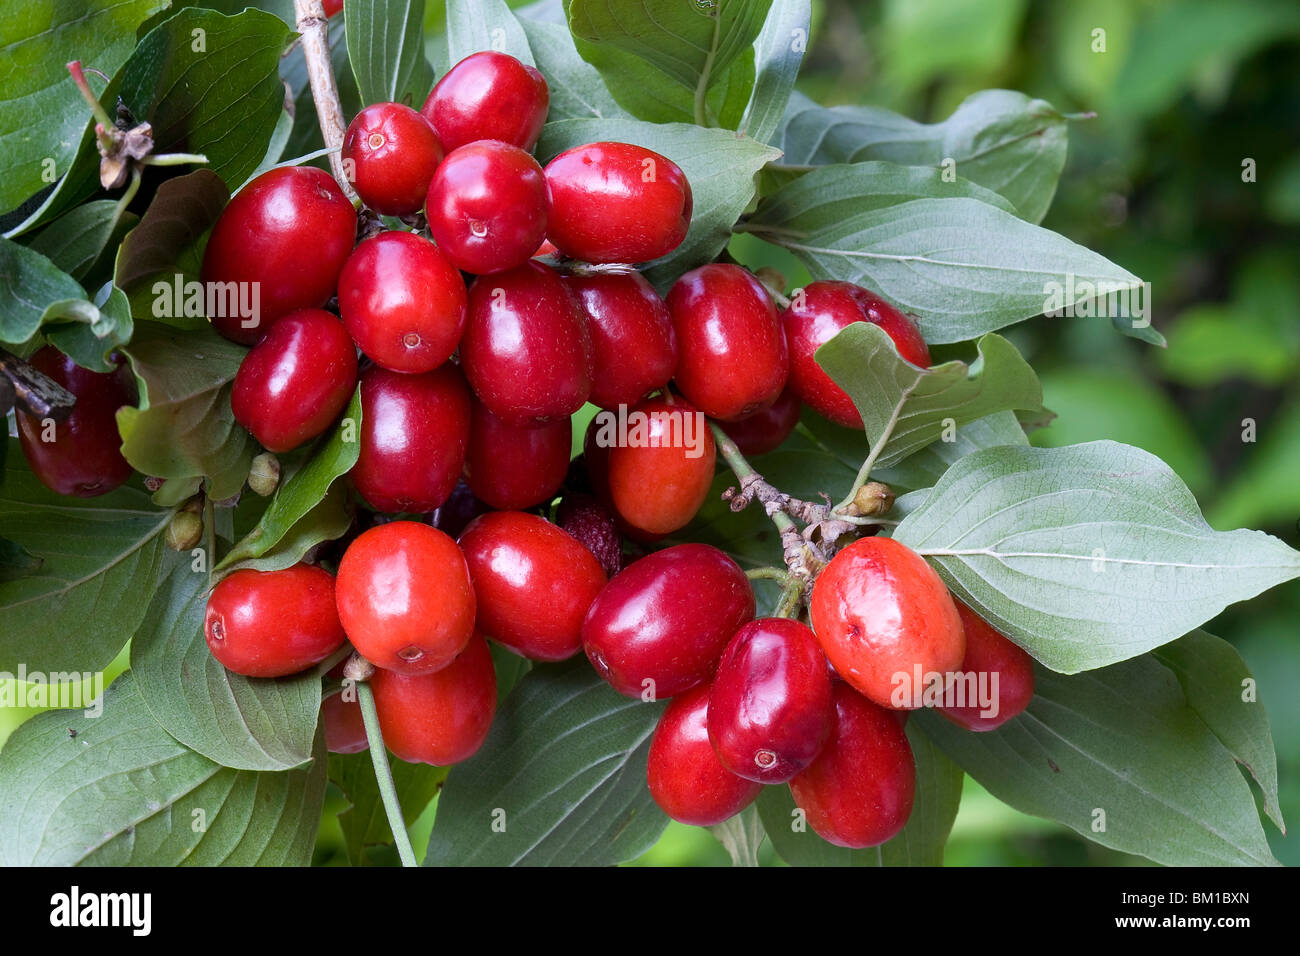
{"points": [[90, 345], [42, 115], [719, 165], [563, 770], [1086, 555], [476, 25], [239, 722], [778, 54], [741, 836], [921, 842], [385, 37], [928, 465], [304, 512], [1122, 741], [76, 241], [34, 291], [921, 404], [365, 822], [1002, 140], [79, 608], [1220, 688], [577, 90], [121, 792], [184, 427]]}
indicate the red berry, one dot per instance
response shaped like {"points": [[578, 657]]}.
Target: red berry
{"points": [[273, 623], [685, 777], [660, 473], [886, 621], [332, 7], [534, 583], [816, 314], [460, 508], [284, 238], [989, 657], [858, 792], [766, 430], [633, 343], [404, 597], [414, 429], [586, 519], [403, 302], [511, 467], [732, 359], [340, 715], [770, 707], [489, 95], [615, 202], [81, 455], [393, 152], [296, 381], [441, 718], [659, 627], [487, 206], [526, 350]]}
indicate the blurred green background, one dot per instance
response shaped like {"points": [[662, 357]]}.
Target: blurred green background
{"points": [[1185, 92]]}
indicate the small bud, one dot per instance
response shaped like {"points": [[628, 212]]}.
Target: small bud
{"points": [[264, 474], [193, 505], [873, 498], [358, 668], [185, 531]]}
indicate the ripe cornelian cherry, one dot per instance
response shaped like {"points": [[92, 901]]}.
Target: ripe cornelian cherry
{"points": [[526, 350], [283, 240], [489, 95], [765, 430], [440, 718], [332, 7], [405, 598], [858, 792], [633, 343], [770, 707], [511, 466], [391, 153], [886, 621], [989, 657], [534, 583], [660, 625], [402, 302], [487, 206], [615, 202], [81, 455], [296, 381], [273, 623], [685, 776], [816, 314], [660, 472], [414, 430], [731, 354]]}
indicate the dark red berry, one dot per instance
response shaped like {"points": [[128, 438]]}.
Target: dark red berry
{"points": [[989, 657], [391, 153], [460, 508], [489, 95], [766, 430], [587, 520], [511, 466]]}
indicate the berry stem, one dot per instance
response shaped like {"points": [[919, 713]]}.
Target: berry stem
{"points": [[96, 107], [744, 471], [209, 528], [768, 574], [791, 598], [383, 772], [314, 31], [876, 448]]}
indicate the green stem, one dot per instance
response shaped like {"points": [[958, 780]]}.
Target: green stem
{"points": [[768, 574], [124, 200], [742, 470], [96, 107], [384, 774], [210, 529], [788, 604], [327, 665], [175, 159], [876, 448]]}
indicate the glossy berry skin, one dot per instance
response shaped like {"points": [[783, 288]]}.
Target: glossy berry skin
{"points": [[633, 342], [414, 431], [391, 152], [511, 467], [732, 359], [404, 597], [770, 707], [290, 230], [402, 302], [765, 430], [816, 314], [859, 791], [615, 202], [332, 7], [489, 95], [273, 623], [880, 611], [659, 481], [441, 718], [989, 653], [659, 627], [296, 381], [534, 583], [526, 350], [85, 456], [487, 206], [684, 774]]}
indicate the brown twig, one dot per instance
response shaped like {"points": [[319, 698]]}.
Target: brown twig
{"points": [[314, 30], [33, 392]]}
